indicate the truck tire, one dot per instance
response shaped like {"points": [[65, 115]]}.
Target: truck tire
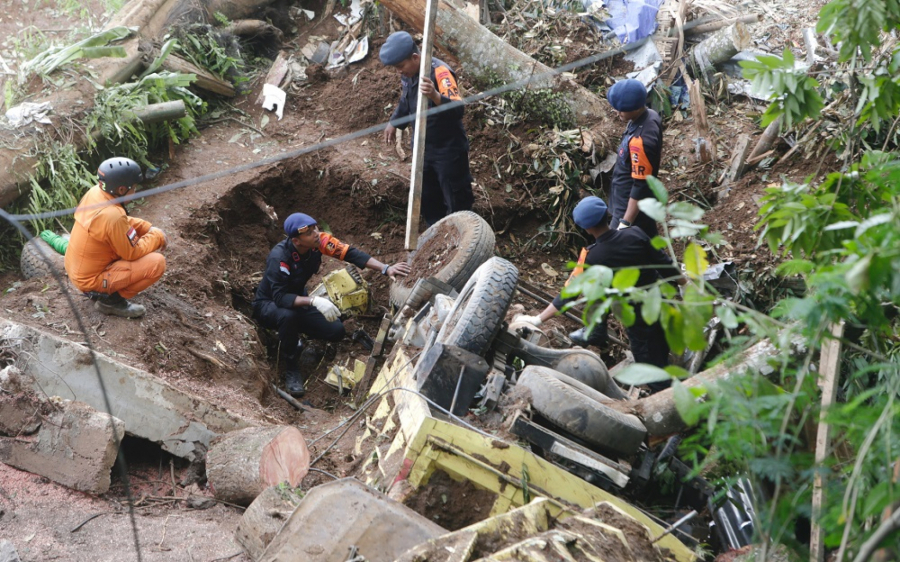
{"points": [[578, 410], [467, 233], [480, 309], [33, 264]]}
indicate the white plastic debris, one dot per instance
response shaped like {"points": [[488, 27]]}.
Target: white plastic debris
{"points": [[357, 50], [354, 16], [274, 99], [26, 112]]}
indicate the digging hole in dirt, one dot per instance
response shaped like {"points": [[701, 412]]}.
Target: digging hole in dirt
{"points": [[451, 504]]}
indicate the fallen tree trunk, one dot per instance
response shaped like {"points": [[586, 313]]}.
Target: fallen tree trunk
{"points": [[658, 411], [489, 58], [241, 464], [720, 46]]}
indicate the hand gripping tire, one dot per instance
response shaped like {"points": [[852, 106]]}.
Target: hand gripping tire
{"points": [[33, 262], [479, 310], [579, 410], [473, 240]]}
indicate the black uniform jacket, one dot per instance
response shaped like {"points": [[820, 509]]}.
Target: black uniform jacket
{"points": [[639, 156], [629, 247], [446, 134], [287, 270]]}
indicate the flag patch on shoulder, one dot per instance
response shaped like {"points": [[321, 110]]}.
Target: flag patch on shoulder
{"points": [[132, 236], [284, 268]]}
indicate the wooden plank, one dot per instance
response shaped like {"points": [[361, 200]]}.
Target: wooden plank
{"points": [[418, 160], [829, 362]]}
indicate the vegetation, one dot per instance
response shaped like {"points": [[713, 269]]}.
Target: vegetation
{"points": [[842, 237]]}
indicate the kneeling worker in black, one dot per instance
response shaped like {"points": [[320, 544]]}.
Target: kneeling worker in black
{"points": [[282, 302], [617, 249]]}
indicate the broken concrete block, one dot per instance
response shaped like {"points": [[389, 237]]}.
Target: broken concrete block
{"points": [[346, 514], [20, 407], [181, 423], [76, 447]]}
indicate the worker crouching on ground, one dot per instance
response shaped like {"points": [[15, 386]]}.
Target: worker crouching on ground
{"points": [[617, 249], [282, 302], [446, 179], [111, 256]]}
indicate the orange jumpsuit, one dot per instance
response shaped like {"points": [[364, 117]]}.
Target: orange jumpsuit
{"points": [[111, 252]]}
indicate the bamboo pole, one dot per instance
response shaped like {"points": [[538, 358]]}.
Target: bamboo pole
{"points": [[418, 160]]}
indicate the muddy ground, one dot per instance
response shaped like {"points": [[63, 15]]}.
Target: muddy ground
{"points": [[198, 335]]}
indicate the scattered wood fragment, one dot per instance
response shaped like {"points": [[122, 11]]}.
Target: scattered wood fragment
{"points": [[738, 159], [205, 357], [205, 79], [767, 140]]}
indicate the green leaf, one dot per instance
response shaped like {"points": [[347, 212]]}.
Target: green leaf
{"points": [[857, 277], [686, 402], [626, 314], [652, 305], [695, 260], [658, 189], [653, 209], [727, 317], [686, 211], [625, 278], [641, 373], [659, 242]]}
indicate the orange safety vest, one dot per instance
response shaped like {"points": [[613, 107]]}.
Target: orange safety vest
{"points": [[104, 233]]}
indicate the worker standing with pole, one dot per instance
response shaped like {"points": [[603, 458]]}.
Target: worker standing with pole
{"points": [[441, 173]]}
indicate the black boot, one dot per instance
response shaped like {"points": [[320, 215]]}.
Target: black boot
{"points": [[115, 305], [293, 380], [598, 336]]}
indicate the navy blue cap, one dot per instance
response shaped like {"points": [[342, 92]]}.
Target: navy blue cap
{"points": [[627, 95], [297, 221], [589, 212], [398, 47]]}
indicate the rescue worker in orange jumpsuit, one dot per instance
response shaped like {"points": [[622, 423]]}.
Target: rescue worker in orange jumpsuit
{"points": [[111, 256]]}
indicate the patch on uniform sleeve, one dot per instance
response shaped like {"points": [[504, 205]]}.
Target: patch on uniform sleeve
{"points": [[640, 164], [132, 236], [284, 268], [331, 246], [446, 84]]}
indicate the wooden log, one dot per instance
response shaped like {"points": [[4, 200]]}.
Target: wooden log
{"points": [[721, 46], [277, 72], [264, 518], [768, 138], [156, 112], [738, 157], [829, 361], [705, 147], [486, 56], [254, 28], [205, 79], [658, 411], [414, 203], [243, 463], [699, 27]]}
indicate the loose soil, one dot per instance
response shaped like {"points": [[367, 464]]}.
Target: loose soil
{"points": [[198, 335]]}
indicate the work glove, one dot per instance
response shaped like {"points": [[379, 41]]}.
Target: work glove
{"points": [[524, 318], [326, 307]]}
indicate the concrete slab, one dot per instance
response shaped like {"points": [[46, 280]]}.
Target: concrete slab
{"points": [[8, 552], [151, 408], [76, 447]]}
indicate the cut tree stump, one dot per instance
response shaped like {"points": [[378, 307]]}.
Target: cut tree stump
{"points": [[241, 464], [264, 518]]}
